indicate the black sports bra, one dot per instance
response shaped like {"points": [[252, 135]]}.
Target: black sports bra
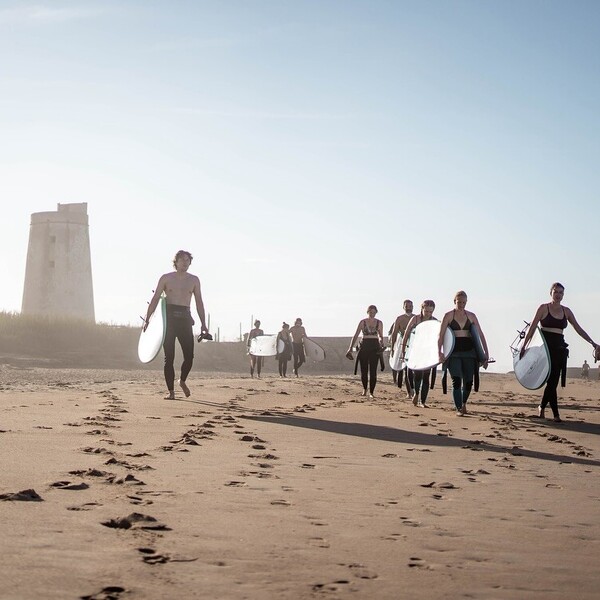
{"points": [[553, 322]]}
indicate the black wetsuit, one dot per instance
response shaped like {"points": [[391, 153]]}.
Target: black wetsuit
{"points": [[558, 359], [179, 326]]}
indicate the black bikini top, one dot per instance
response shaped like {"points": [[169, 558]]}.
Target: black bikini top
{"points": [[456, 327], [370, 330]]}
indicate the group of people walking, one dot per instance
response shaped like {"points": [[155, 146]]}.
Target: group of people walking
{"points": [[463, 362], [179, 288], [290, 344]]}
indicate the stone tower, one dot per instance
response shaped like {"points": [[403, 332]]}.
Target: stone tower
{"points": [[58, 277]]}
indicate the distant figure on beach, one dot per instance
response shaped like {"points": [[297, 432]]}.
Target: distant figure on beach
{"points": [[298, 334], [394, 372], [553, 318], [179, 287], [463, 360], [421, 378], [255, 361], [370, 351], [399, 328], [585, 370], [285, 355]]}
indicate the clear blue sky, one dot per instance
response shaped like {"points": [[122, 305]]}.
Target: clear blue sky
{"points": [[314, 156]]}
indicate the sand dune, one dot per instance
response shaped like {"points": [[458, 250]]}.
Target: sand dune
{"points": [[292, 489]]}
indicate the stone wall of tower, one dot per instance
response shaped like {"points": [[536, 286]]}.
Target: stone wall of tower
{"points": [[58, 276]]}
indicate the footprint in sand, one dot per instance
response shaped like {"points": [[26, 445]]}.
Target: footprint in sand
{"points": [[136, 521], [69, 485], [409, 522], [319, 542], [280, 503], [139, 501], [330, 587], [112, 592], [394, 537], [362, 572], [417, 562], [29, 495], [85, 506]]}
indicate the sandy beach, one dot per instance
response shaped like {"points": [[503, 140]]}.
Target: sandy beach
{"points": [[295, 488]]}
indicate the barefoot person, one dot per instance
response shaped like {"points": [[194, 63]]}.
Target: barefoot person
{"points": [[370, 351], [462, 362], [421, 378], [285, 355], [298, 334], [553, 318], [255, 361], [399, 328], [178, 286]]}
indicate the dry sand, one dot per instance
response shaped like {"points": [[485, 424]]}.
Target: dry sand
{"points": [[292, 489]]}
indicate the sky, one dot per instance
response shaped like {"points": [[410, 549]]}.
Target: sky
{"points": [[315, 156]]}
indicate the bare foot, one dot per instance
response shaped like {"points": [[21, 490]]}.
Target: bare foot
{"points": [[170, 396], [185, 388]]}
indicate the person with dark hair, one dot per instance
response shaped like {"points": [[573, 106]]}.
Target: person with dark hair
{"points": [[371, 349], [285, 355], [553, 318], [298, 334], [178, 287], [421, 378], [399, 328], [255, 361], [462, 362]]}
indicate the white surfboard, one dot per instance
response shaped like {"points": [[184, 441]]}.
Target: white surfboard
{"points": [[280, 346], [533, 369], [152, 339], [422, 350], [313, 350], [263, 345], [394, 359]]}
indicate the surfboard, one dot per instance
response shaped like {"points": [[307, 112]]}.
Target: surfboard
{"points": [[394, 359], [280, 346], [152, 339], [476, 336], [533, 369], [313, 350], [263, 345], [422, 349]]}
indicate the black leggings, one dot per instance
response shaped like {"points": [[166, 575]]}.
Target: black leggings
{"points": [[368, 358], [283, 366], [179, 326], [422, 384], [558, 356]]}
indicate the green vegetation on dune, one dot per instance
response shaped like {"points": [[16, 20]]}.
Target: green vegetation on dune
{"points": [[62, 340]]}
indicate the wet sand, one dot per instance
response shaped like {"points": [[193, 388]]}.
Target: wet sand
{"points": [[296, 488]]}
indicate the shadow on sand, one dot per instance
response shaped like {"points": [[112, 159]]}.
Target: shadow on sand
{"points": [[391, 434]]}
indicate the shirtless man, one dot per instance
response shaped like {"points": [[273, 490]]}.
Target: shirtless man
{"points": [[298, 334], [399, 328], [178, 286]]}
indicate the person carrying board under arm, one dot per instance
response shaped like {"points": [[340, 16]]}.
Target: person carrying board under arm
{"points": [[179, 287], [553, 319], [462, 361]]}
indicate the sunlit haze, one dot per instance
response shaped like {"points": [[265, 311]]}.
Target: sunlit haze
{"points": [[314, 156]]}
